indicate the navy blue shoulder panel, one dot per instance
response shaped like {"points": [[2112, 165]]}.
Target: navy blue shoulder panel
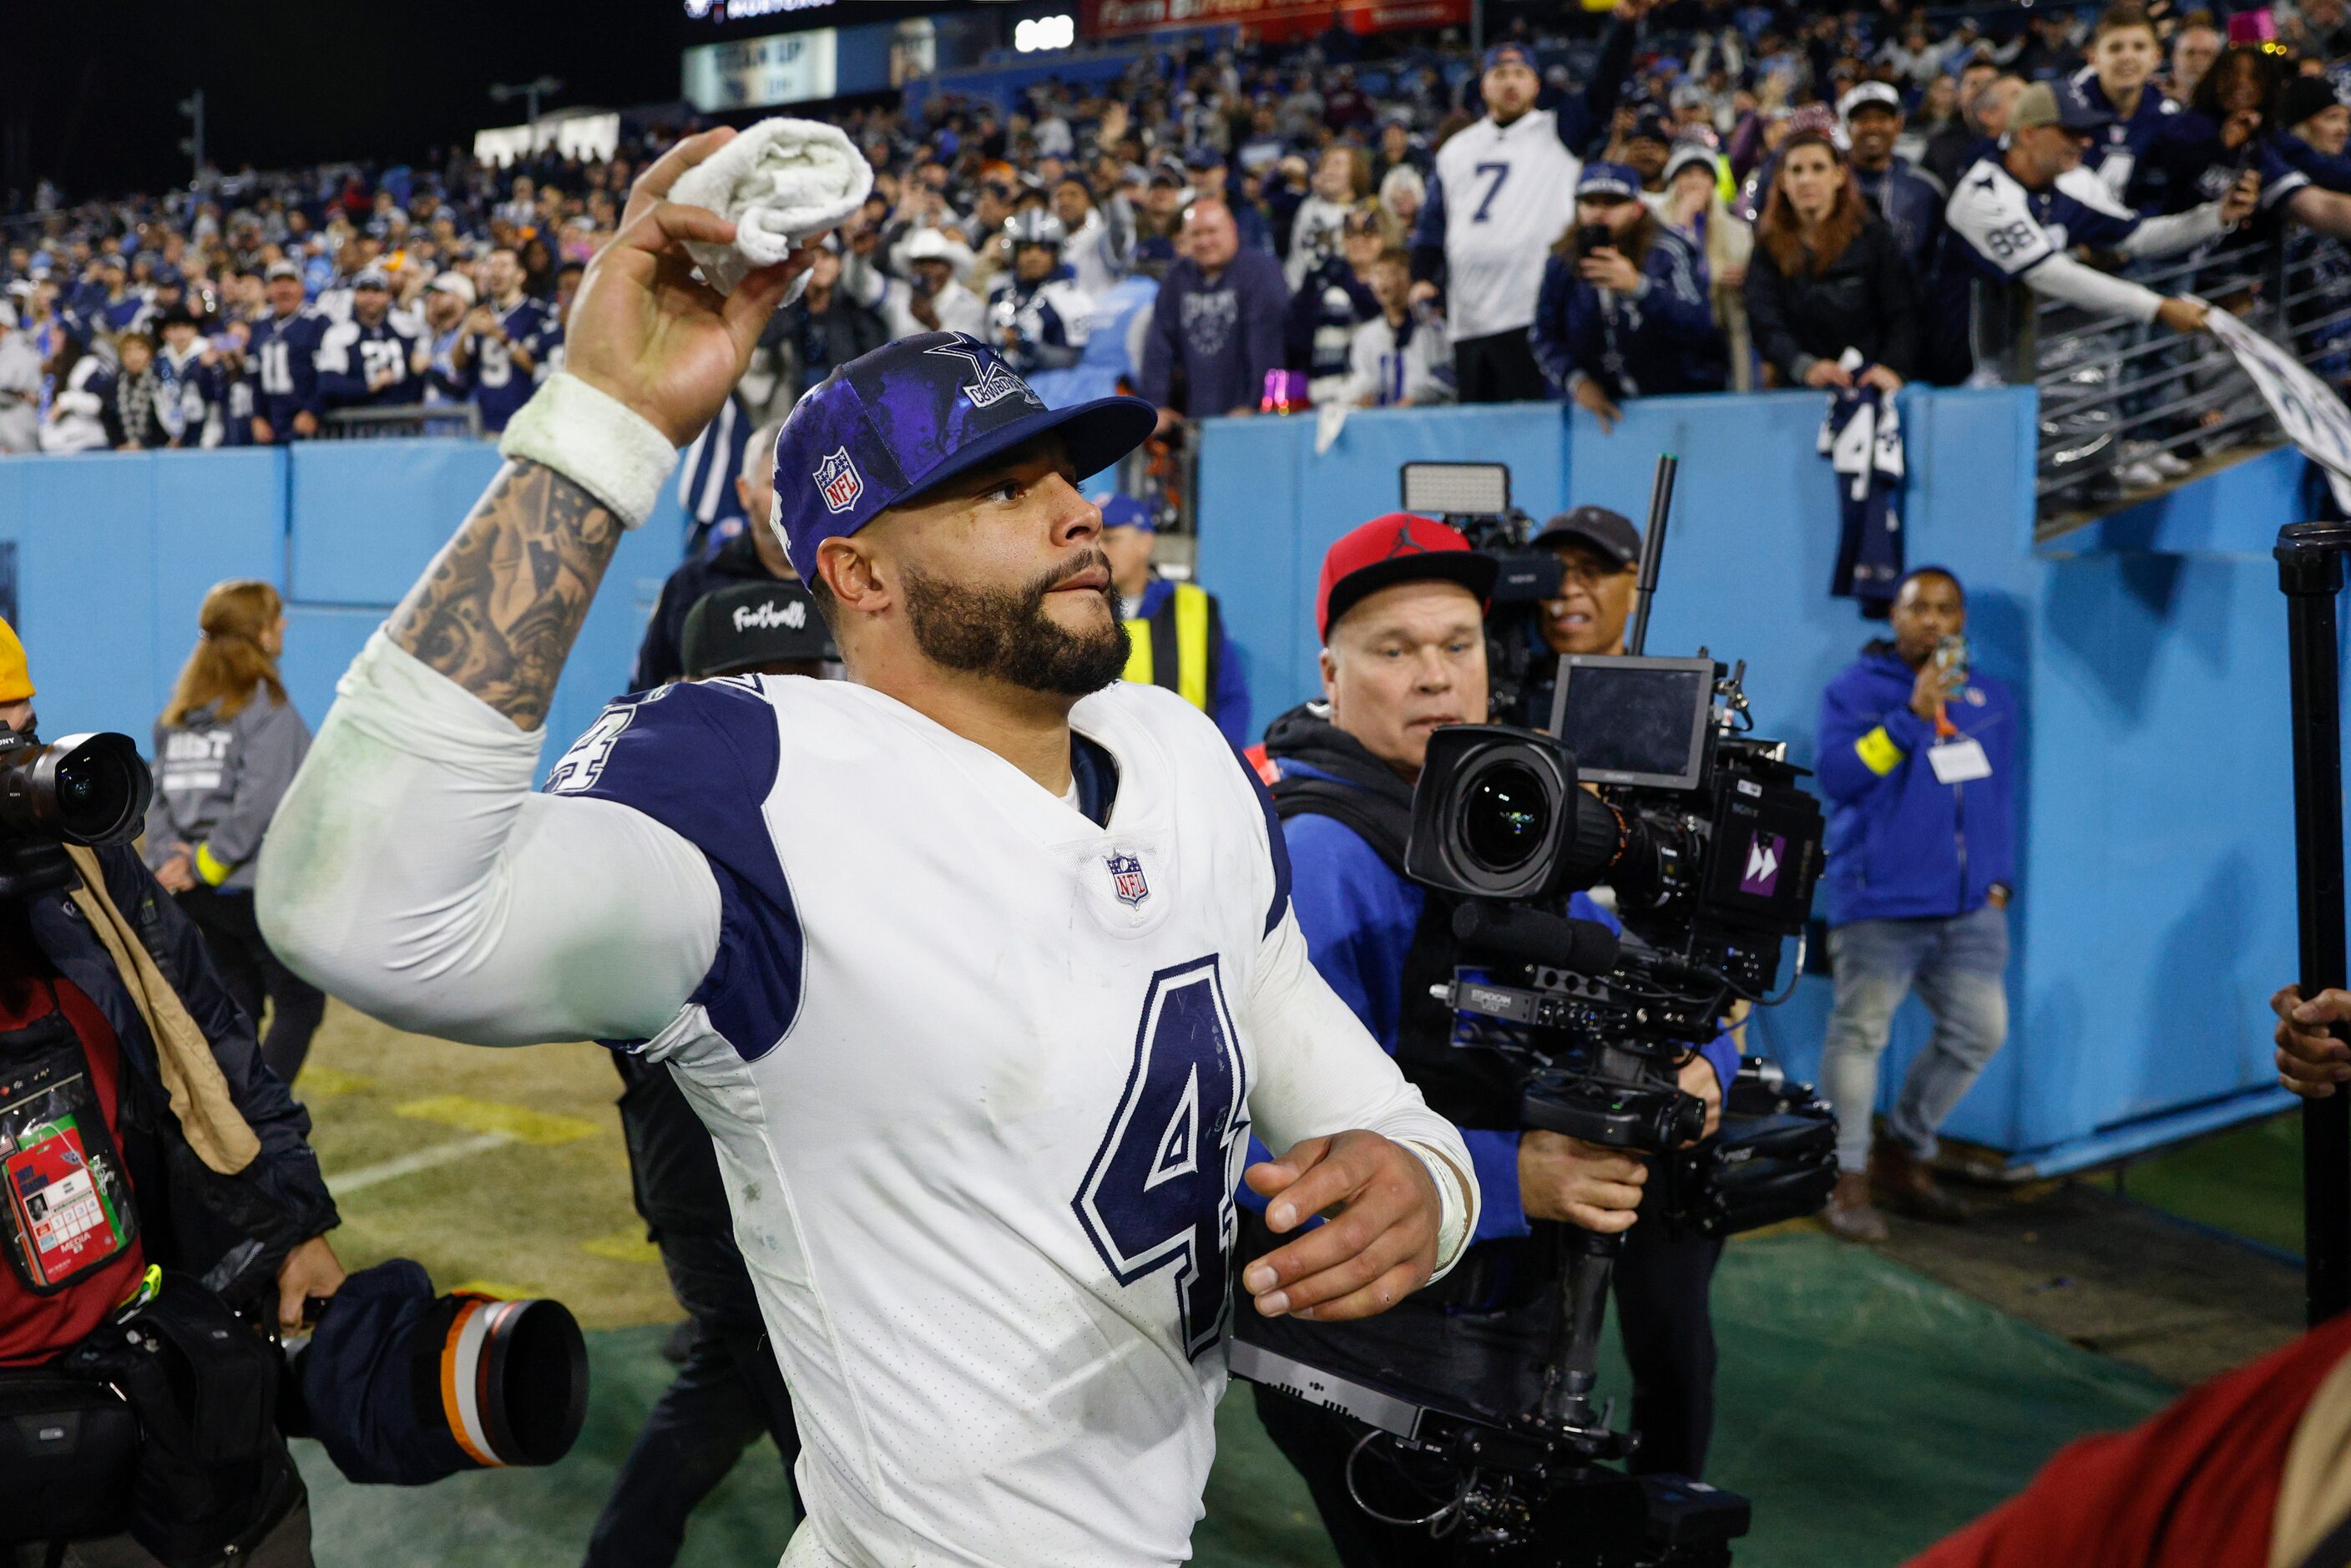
{"points": [[701, 759]]}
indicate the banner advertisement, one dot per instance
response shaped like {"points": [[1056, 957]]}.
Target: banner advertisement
{"points": [[1274, 20], [751, 73]]}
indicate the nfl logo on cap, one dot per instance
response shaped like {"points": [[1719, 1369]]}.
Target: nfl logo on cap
{"points": [[1126, 880], [837, 481]]}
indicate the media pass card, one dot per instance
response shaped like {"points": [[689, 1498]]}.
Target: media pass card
{"points": [[1958, 761]]}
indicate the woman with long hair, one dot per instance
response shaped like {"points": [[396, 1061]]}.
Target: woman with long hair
{"points": [[225, 748], [1827, 277]]}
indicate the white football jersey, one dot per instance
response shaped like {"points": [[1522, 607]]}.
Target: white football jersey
{"points": [[1508, 193], [977, 1070]]}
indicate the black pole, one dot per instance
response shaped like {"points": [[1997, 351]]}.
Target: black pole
{"points": [[1653, 550], [2309, 574]]}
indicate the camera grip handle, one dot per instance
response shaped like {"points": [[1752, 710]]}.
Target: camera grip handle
{"points": [[1583, 946]]}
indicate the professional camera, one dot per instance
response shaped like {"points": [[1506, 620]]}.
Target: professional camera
{"points": [[88, 789], [1649, 781]]}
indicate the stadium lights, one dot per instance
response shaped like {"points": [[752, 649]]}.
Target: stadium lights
{"points": [[1039, 34], [744, 10]]}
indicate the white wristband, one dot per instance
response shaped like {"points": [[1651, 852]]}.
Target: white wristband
{"points": [[597, 442], [1452, 1210]]}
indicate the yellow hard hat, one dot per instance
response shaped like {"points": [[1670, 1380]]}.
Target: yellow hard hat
{"points": [[15, 675]]}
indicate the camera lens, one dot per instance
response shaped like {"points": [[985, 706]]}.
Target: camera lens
{"points": [[82, 789], [1505, 814]]}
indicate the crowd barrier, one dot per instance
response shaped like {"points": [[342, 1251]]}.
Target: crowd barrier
{"points": [[2156, 901], [116, 549], [2156, 904]]}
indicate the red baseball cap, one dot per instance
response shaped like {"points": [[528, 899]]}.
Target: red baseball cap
{"points": [[1398, 548]]}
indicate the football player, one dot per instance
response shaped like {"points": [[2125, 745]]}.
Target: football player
{"points": [[978, 965], [1037, 315]]}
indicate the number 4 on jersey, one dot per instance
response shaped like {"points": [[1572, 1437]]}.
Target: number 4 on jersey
{"points": [[1160, 1190]]}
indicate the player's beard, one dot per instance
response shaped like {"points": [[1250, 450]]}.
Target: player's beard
{"points": [[1006, 633]]}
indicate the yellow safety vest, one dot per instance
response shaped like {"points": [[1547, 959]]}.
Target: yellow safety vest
{"points": [[1173, 646]]}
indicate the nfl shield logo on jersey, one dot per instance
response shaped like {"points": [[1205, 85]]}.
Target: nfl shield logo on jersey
{"points": [[837, 481], [1126, 880]]}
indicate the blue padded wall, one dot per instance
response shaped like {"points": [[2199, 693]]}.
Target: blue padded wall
{"points": [[2155, 901], [116, 553]]}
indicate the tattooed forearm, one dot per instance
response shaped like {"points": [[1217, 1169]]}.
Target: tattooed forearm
{"points": [[500, 606]]}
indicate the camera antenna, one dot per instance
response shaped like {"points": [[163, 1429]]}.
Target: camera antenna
{"points": [[1653, 550]]}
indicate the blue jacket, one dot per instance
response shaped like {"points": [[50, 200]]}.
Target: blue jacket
{"points": [[1662, 339], [1903, 845], [1358, 918]]}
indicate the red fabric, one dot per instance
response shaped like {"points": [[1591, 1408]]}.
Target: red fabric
{"points": [[34, 1328], [1264, 766], [2192, 1487], [1397, 547]]}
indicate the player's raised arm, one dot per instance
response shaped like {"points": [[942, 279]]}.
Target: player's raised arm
{"points": [[653, 354], [411, 869]]}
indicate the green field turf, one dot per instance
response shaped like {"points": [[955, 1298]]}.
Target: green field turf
{"points": [[2246, 1181], [1863, 1409]]}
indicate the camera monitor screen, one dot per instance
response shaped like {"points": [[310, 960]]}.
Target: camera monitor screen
{"points": [[1635, 721]]}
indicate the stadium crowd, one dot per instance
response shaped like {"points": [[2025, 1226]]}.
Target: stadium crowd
{"points": [[1703, 194]]}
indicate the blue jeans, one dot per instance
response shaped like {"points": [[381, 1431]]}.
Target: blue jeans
{"points": [[1958, 966]]}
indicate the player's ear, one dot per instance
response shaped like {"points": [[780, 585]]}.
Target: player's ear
{"points": [[850, 572]]}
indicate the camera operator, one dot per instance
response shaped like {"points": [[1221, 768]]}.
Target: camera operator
{"points": [[1917, 760], [1599, 554], [1401, 617], [107, 985]]}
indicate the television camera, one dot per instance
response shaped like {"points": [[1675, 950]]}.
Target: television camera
{"points": [[1648, 779]]}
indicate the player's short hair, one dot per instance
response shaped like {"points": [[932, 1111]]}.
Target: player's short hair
{"points": [[2119, 16], [1393, 256], [759, 456]]}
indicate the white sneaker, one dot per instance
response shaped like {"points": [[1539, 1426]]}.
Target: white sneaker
{"points": [[2139, 476], [2170, 465]]}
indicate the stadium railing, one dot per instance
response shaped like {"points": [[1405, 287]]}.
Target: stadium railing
{"points": [[461, 419], [2115, 393]]}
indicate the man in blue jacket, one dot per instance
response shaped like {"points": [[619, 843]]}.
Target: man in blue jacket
{"points": [[1623, 312], [1918, 757], [1404, 654]]}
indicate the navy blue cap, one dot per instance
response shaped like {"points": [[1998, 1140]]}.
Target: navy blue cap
{"points": [[912, 414], [1125, 512], [1519, 52], [1204, 157], [1605, 178]]}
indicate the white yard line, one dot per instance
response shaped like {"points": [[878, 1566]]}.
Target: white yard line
{"points": [[423, 1159]]}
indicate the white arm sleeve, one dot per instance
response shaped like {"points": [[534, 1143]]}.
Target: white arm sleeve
{"points": [[1319, 1071], [2076, 283], [2176, 232], [411, 871]]}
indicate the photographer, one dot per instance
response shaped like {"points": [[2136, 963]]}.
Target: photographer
{"points": [[1404, 654], [1916, 760], [131, 1071], [1623, 311]]}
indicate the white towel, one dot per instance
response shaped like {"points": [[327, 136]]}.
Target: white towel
{"points": [[779, 182]]}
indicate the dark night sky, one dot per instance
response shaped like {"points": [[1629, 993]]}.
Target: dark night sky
{"points": [[88, 88]]}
